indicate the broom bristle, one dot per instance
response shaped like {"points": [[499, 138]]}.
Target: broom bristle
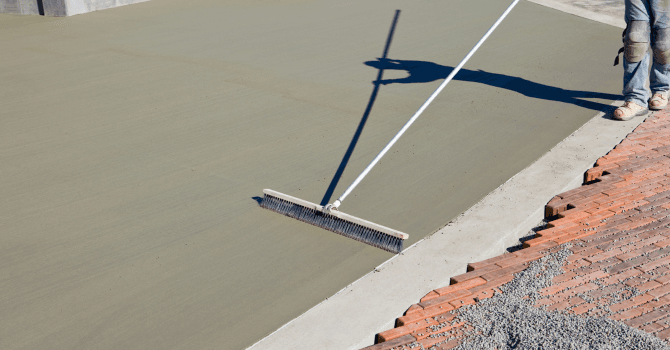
{"points": [[332, 223]]}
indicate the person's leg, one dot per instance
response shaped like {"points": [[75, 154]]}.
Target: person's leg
{"points": [[659, 80], [636, 59]]}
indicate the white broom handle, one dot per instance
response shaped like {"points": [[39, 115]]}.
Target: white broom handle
{"points": [[423, 107]]}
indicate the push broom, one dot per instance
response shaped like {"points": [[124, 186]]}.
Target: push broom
{"points": [[330, 218]]}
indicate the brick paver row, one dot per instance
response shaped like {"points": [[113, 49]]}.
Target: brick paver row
{"points": [[618, 223]]}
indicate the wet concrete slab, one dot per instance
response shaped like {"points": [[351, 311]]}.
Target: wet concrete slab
{"points": [[135, 139]]}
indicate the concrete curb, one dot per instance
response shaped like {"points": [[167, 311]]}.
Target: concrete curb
{"points": [[352, 317]]}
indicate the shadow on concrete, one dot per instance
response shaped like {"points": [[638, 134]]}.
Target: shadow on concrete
{"points": [[40, 7], [352, 145], [424, 72]]}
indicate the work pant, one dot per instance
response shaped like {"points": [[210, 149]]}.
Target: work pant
{"points": [[657, 14]]}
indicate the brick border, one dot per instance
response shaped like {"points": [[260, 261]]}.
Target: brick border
{"points": [[619, 224]]}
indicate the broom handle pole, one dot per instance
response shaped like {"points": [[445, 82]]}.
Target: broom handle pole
{"points": [[423, 107]]}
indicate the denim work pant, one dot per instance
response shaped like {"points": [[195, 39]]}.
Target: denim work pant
{"points": [[657, 13]]}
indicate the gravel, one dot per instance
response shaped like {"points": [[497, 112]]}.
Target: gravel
{"points": [[509, 320]]}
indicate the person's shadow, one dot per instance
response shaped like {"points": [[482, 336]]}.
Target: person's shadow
{"points": [[424, 72]]}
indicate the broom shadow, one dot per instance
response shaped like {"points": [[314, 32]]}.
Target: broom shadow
{"points": [[352, 145]]}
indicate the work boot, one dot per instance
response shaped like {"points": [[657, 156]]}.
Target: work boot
{"points": [[630, 110], [659, 100]]}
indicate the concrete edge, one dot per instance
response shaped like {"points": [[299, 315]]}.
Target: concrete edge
{"points": [[594, 16], [350, 318]]}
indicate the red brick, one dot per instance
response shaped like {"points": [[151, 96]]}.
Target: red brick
{"points": [[424, 314], [665, 334], [660, 291], [487, 262], [561, 223], [578, 310], [651, 306], [627, 265], [444, 299], [504, 271], [621, 276], [653, 327], [388, 345], [460, 286], [404, 330], [462, 302], [559, 306], [663, 279], [592, 276], [446, 317], [629, 206], [448, 345], [575, 301], [603, 255], [648, 286], [492, 284], [541, 247], [623, 240], [563, 277], [412, 309], [633, 302], [474, 274], [431, 295], [536, 241], [428, 342], [543, 302], [572, 236], [637, 252], [597, 266], [573, 215], [636, 223], [485, 294], [554, 200], [576, 264], [520, 259], [580, 289], [575, 192], [572, 283], [583, 204], [654, 264], [646, 318], [559, 231], [636, 280], [626, 315], [593, 173], [425, 333]]}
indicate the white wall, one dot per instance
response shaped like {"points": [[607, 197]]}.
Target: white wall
{"points": [[60, 8]]}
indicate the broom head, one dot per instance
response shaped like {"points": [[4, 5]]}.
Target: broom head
{"points": [[344, 224]]}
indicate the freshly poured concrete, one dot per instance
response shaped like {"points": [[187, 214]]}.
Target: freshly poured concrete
{"points": [[134, 139]]}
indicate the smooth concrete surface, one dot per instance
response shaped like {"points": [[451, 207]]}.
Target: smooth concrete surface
{"points": [[135, 140], [351, 318]]}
